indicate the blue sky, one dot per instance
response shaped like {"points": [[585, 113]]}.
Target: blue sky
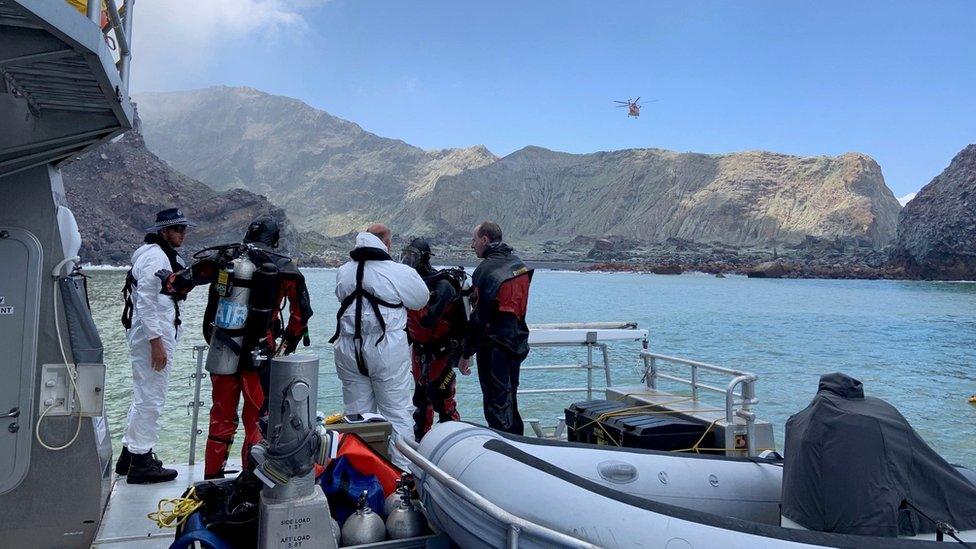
{"points": [[894, 80]]}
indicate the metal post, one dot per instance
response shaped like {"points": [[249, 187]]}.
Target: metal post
{"points": [[197, 376], [589, 371], [606, 362], [94, 6], [513, 536], [694, 382], [652, 374], [127, 57]]}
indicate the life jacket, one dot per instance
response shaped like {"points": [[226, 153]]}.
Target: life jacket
{"points": [[366, 460], [175, 264], [361, 256], [449, 329]]}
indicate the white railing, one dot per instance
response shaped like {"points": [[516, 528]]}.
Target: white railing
{"points": [[737, 404]]}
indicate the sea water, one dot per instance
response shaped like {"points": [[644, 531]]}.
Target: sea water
{"points": [[910, 343]]}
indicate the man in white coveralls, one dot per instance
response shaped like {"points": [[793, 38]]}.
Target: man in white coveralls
{"points": [[152, 322], [372, 355]]}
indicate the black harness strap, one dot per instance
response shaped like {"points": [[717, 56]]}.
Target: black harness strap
{"points": [[357, 297]]}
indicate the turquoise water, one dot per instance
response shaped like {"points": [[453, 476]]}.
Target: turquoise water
{"points": [[911, 343]]}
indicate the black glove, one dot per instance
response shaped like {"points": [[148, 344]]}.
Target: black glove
{"points": [[291, 343], [165, 276]]}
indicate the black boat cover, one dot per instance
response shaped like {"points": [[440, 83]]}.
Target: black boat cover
{"points": [[854, 465]]}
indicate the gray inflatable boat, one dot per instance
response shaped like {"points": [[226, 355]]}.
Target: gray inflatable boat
{"points": [[608, 497]]}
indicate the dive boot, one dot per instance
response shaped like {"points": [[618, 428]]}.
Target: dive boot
{"points": [[146, 469]]}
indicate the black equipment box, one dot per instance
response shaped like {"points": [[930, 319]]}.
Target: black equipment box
{"points": [[597, 422]]}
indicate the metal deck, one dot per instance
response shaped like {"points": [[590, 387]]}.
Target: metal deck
{"points": [[125, 523]]}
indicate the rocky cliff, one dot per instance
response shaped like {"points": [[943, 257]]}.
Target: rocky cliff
{"points": [[116, 190], [333, 177], [937, 229], [740, 199], [329, 174]]}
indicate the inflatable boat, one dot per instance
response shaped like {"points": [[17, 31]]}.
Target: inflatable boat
{"points": [[608, 497], [841, 480]]}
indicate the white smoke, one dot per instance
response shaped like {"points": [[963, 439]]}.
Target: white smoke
{"points": [[173, 42], [906, 199]]}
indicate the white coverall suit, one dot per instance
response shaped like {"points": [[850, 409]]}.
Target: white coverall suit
{"points": [[153, 315], [388, 389]]}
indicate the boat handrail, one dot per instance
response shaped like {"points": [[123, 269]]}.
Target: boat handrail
{"points": [[737, 404], [120, 24], [516, 526]]}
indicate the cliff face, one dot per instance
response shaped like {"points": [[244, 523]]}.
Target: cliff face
{"points": [[937, 229], [333, 177], [329, 174], [116, 190], [741, 199]]}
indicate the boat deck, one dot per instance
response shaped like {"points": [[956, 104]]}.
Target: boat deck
{"points": [[125, 523]]}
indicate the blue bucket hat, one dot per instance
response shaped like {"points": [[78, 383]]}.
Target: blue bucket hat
{"points": [[168, 218]]}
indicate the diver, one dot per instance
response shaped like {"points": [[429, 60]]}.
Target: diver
{"points": [[436, 335], [372, 356], [497, 331], [263, 334], [152, 323]]}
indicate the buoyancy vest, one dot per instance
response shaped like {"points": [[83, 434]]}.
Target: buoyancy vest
{"points": [[176, 264], [361, 256]]}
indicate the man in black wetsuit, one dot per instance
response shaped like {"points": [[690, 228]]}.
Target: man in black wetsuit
{"points": [[497, 332]]}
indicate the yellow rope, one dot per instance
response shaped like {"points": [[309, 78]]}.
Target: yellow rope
{"points": [[171, 513]]}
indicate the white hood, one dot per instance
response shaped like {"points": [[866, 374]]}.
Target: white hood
{"points": [[370, 240]]}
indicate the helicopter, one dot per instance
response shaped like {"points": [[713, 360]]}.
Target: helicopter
{"points": [[633, 107]]}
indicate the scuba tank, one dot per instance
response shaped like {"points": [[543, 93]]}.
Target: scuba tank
{"points": [[233, 285], [403, 484], [363, 526], [466, 294], [406, 520]]}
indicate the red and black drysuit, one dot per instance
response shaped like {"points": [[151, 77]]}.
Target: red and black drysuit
{"points": [[251, 379], [497, 332], [436, 335]]}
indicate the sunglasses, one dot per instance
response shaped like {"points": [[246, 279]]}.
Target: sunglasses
{"points": [[177, 228]]}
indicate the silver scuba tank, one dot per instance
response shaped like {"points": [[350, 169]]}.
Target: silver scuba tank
{"points": [[393, 499], [466, 296], [406, 520], [232, 309], [363, 526]]}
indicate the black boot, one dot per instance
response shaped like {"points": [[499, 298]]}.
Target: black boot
{"points": [[125, 459], [146, 469]]}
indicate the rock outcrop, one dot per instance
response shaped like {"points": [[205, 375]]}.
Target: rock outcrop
{"points": [[740, 199], [329, 174], [937, 229], [116, 190]]}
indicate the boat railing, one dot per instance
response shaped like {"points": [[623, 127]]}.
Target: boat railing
{"points": [[592, 336], [516, 527], [118, 26], [738, 404]]}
